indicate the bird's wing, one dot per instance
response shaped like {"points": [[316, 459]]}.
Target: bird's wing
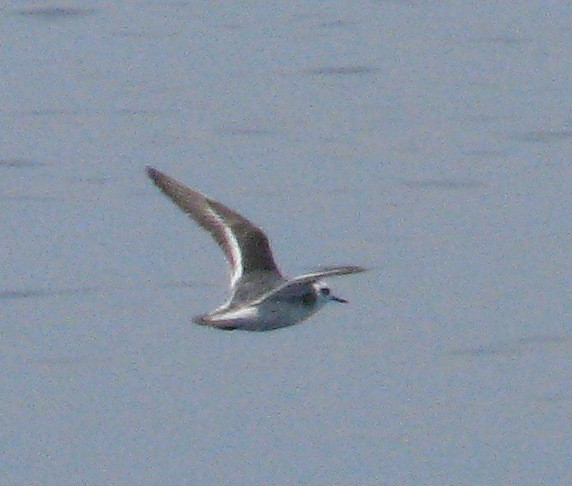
{"points": [[298, 286], [245, 246], [330, 272]]}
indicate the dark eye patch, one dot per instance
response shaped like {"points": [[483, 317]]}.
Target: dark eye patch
{"points": [[325, 291], [309, 299]]}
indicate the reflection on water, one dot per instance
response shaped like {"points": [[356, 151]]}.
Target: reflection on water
{"points": [[41, 293], [505, 40], [512, 347], [444, 184], [544, 136], [54, 13], [242, 130], [342, 70], [339, 23], [46, 293], [19, 163]]}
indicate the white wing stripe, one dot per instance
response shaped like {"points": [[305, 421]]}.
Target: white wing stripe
{"points": [[237, 255], [236, 264], [241, 313]]}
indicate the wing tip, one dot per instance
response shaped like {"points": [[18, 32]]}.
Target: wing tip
{"points": [[344, 270], [359, 268], [153, 173]]}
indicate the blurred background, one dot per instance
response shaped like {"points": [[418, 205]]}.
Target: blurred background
{"points": [[429, 141]]}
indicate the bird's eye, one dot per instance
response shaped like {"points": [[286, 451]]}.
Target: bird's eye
{"points": [[325, 291]]}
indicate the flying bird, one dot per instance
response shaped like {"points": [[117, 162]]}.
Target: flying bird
{"points": [[262, 299]]}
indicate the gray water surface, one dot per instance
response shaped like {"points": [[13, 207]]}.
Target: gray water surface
{"points": [[430, 142]]}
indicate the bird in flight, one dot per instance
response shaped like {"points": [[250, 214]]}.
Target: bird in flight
{"points": [[262, 298]]}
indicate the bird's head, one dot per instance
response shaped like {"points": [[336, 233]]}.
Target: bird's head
{"points": [[324, 294]]}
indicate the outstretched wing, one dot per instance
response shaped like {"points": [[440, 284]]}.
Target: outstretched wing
{"points": [[244, 245], [298, 286], [330, 272]]}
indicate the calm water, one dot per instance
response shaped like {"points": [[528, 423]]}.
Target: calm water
{"points": [[431, 143]]}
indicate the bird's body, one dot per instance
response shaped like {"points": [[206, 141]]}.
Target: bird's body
{"points": [[262, 299], [266, 316]]}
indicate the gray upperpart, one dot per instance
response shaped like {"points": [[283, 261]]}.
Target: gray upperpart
{"points": [[252, 286]]}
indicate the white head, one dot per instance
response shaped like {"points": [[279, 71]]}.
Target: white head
{"points": [[324, 294]]}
